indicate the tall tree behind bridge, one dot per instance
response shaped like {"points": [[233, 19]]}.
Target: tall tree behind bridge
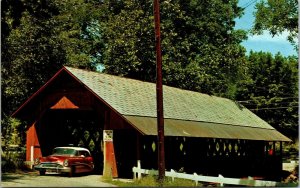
{"points": [[38, 38], [277, 16], [271, 90], [201, 50]]}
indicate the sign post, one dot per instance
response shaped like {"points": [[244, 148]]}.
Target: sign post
{"points": [[110, 166]]}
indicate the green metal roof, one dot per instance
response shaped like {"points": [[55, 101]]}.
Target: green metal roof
{"points": [[137, 98], [172, 127]]}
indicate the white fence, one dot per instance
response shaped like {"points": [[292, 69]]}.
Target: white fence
{"points": [[198, 178]]}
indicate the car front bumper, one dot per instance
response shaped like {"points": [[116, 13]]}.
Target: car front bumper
{"points": [[52, 167]]}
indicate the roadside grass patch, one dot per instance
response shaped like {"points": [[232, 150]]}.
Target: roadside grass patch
{"points": [[151, 181]]}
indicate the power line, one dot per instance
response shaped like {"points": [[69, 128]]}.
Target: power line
{"points": [[278, 98], [279, 102], [274, 108], [246, 5], [273, 104]]}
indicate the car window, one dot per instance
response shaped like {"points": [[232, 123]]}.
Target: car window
{"points": [[87, 154], [84, 153], [80, 153], [64, 151]]}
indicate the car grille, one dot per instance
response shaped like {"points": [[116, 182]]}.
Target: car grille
{"points": [[53, 165]]}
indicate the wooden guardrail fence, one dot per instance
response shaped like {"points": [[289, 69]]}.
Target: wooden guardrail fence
{"points": [[137, 172]]}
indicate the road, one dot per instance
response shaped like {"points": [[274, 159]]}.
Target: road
{"points": [[51, 180]]}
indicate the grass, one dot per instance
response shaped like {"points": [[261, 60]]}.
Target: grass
{"points": [[151, 181]]}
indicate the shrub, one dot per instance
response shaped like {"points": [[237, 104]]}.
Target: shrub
{"points": [[13, 158], [8, 165]]}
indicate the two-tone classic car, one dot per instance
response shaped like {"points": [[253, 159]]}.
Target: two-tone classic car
{"points": [[68, 160]]}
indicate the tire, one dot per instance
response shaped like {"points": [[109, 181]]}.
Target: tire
{"points": [[42, 172]]}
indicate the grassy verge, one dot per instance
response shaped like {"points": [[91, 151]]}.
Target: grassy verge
{"points": [[151, 181]]}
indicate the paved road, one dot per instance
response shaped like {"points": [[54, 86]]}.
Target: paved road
{"points": [[51, 180]]}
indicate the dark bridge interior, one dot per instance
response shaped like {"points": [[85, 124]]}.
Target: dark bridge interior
{"points": [[72, 127]]}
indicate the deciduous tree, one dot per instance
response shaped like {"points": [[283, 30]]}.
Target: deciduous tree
{"points": [[271, 91], [41, 38], [277, 16], [201, 50]]}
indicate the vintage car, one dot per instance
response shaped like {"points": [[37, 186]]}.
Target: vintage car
{"points": [[69, 160]]}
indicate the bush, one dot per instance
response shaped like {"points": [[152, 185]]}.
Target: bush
{"points": [[291, 152], [8, 165], [13, 158]]}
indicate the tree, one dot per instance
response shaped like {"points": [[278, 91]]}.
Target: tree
{"points": [[201, 50], [271, 90], [40, 39], [277, 16]]}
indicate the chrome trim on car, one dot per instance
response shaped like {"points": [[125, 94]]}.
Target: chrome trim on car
{"points": [[56, 167]]}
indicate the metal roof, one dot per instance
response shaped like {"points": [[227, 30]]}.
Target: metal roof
{"points": [[197, 114], [173, 127]]}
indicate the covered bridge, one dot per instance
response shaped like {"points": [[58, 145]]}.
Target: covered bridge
{"points": [[204, 134]]}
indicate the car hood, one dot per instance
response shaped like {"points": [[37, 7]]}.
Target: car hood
{"points": [[54, 158]]}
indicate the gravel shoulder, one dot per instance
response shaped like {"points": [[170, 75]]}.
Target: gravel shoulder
{"points": [[32, 179]]}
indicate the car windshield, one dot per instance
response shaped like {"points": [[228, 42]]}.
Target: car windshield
{"points": [[64, 151]]}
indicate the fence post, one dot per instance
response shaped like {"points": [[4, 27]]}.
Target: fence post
{"points": [[172, 174], [134, 173], [139, 167], [221, 183], [196, 181]]}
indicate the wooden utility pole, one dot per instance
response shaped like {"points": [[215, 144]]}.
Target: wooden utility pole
{"points": [[159, 95]]}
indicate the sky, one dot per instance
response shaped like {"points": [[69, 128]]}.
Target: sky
{"points": [[264, 42]]}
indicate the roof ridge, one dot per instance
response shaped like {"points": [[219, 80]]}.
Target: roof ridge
{"points": [[143, 81]]}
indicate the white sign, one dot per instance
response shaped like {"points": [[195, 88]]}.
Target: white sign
{"points": [[107, 135]]}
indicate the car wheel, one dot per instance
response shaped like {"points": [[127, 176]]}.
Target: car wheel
{"points": [[42, 172]]}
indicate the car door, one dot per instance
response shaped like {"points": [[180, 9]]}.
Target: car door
{"points": [[89, 164], [80, 161]]}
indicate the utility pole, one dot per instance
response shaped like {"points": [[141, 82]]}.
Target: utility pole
{"points": [[159, 96]]}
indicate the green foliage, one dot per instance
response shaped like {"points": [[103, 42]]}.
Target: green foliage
{"points": [[201, 50], [291, 152], [128, 34], [11, 130], [12, 138], [271, 90], [11, 161], [277, 16], [40, 38]]}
